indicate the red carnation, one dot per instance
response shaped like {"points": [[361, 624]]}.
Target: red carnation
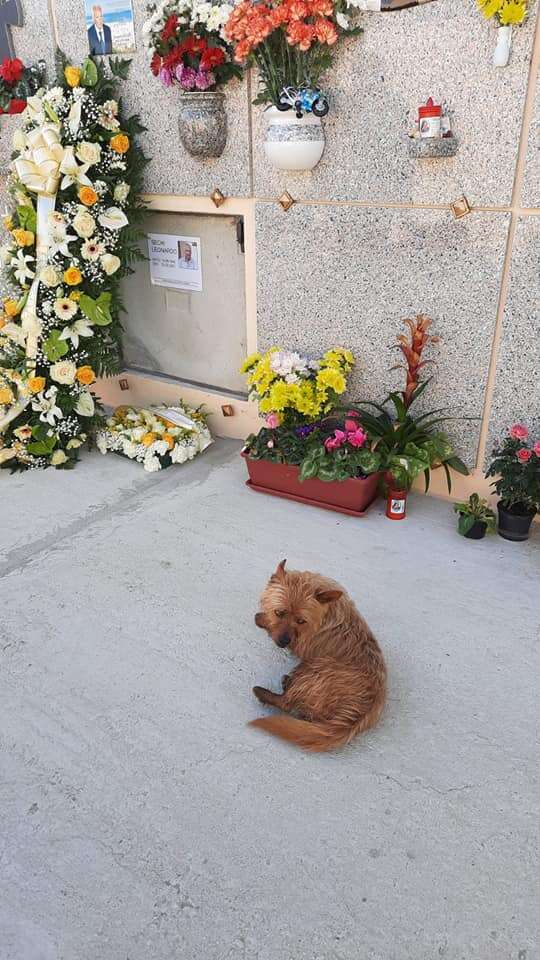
{"points": [[169, 29], [213, 57], [523, 455], [11, 70], [17, 106], [155, 64]]}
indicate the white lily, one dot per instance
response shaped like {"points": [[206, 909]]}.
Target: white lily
{"points": [[61, 246], [15, 332], [73, 173], [45, 403], [21, 262], [81, 328], [34, 110]]}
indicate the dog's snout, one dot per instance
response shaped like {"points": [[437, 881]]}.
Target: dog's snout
{"points": [[260, 620], [284, 640]]}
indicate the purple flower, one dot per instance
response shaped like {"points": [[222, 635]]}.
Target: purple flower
{"points": [[187, 80], [165, 77], [204, 79], [305, 431]]}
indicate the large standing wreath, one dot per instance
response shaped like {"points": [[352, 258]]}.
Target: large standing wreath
{"points": [[77, 176]]}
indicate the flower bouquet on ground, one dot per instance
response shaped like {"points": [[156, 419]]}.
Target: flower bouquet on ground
{"points": [[516, 469], [156, 437], [189, 50], [74, 233], [306, 451], [17, 83]]}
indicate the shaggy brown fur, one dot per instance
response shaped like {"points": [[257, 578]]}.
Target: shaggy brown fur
{"points": [[338, 689]]}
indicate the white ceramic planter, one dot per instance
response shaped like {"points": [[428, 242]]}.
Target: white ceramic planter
{"points": [[293, 144], [501, 54]]}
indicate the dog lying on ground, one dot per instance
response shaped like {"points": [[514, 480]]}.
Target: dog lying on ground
{"points": [[339, 687]]}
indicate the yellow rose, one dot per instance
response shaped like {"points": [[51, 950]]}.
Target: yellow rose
{"points": [[6, 394], [88, 196], [75, 295], [73, 76], [148, 439], [23, 238], [11, 308], [36, 384], [85, 375], [72, 276], [119, 143]]}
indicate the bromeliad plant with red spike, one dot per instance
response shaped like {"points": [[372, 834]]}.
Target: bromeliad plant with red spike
{"points": [[409, 445], [17, 83], [188, 47]]}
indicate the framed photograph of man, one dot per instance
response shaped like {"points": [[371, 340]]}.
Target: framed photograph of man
{"points": [[110, 27]]}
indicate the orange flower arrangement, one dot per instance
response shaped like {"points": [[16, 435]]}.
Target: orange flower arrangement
{"points": [[309, 27]]}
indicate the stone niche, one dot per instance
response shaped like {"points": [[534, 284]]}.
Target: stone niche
{"points": [[193, 336]]}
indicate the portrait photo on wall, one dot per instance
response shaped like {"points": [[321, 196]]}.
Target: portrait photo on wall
{"points": [[110, 27]]}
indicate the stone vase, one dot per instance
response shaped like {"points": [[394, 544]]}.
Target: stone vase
{"points": [[292, 143], [501, 54], [203, 123]]}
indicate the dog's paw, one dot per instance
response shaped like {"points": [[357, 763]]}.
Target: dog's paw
{"points": [[260, 693], [286, 681]]}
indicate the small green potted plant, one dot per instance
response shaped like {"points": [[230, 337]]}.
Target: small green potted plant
{"points": [[516, 468], [409, 445], [476, 518]]}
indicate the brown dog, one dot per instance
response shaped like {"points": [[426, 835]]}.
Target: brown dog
{"points": [[338, 689]]}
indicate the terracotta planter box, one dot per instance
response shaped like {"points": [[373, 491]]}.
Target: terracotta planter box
{"points": [[352, 497]]}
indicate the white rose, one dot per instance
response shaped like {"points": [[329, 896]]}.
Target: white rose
{"points": [[121, 191], [113, 219], [84, 224], [63, 372], [110, 263], [88, 152], [58, 458], [49, 276], [74, 443]]}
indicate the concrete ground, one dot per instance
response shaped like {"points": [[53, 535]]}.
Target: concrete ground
{"points": [[141, 819]]}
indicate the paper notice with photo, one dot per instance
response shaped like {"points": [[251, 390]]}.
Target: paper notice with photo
{"points": [[175, 261]]}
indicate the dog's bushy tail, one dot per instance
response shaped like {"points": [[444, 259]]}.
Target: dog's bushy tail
{"points": [[319, 736]]}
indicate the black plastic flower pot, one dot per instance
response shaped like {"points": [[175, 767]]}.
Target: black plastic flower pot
{"points": [[477, 531], [514, 522]]}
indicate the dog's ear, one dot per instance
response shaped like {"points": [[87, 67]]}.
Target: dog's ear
{"points": [[327, 596], [279, 573]]}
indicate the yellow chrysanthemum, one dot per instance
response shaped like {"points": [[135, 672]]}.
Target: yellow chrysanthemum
{"points": [[334, 379], [512, 12], [250, 362], [280, 395], [489, 7]]}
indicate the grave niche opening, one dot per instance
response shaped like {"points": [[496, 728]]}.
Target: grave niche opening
{"points": [[195, 335]]}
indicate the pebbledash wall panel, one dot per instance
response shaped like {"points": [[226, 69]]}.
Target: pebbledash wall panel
{"points": [[370, 238]]}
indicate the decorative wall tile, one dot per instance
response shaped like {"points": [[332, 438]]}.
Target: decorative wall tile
{"points": [[171, 170], [349, 275], [443, 50], [517, 385]]}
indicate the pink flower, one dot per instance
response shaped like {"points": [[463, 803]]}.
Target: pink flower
{"points": [[523, 455], [357, 438], [536, 448], [351, 425], [270, 444], [165, 77], [519, 432], [186, 78], [333, 443], [272, 421], [204, 79]]}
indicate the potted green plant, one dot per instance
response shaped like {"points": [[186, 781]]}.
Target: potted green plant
{"points": [[516, 468], [409, 445], [303, 452], [476, 518]]}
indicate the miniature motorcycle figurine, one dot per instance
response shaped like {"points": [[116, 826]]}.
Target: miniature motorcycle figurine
{"points": [[303, 100]]}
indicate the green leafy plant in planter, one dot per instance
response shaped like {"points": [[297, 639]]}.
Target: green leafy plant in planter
{"points": [[476, 518], [409, 445], [516, 469]]}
